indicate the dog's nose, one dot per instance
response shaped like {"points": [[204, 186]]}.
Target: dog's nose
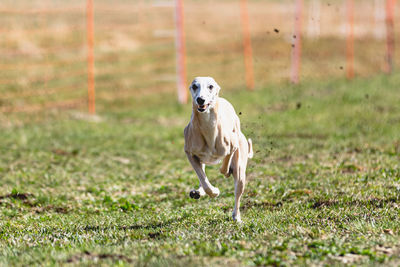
{"points": [[200, 101]]}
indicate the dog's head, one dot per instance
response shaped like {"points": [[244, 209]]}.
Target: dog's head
{"points": [[204, 92]]}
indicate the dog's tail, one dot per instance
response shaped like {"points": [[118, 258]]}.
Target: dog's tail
{"points": [[250, 155]]}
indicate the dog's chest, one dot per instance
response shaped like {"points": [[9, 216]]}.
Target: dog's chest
{"points": [[213, 148], [208, 155]]}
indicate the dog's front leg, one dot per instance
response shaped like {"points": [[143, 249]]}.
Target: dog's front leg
{"points": [[196, 194], [198, 167]]}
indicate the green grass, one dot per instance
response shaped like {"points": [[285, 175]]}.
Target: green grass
{"points": [[323, 187]]}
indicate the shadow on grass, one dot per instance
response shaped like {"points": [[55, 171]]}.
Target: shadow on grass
{"points": [[317, 203], [149, 226], [371, 202], [264, 205]]}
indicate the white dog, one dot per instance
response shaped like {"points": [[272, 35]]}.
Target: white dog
{"points": [[213, 134]]}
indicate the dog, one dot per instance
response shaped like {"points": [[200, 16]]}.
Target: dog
{"points": [[213, 135]]}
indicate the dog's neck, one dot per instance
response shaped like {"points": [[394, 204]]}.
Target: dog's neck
{"points": [[207, 123], [206, 119]]}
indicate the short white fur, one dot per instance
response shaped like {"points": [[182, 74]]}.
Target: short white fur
{"points": [[214, 135]]}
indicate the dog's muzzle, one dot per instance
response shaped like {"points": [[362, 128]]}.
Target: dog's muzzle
{"points": [[202, 108]]}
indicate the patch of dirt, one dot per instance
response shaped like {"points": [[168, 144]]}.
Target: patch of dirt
{"points": [[301, 136], [89, 255], [57, 209], [350, 168], [20, 196], [62, 152], [387, 250], [285, 158], [154, 235], [25, 198], [349, 258], [324, 203]]}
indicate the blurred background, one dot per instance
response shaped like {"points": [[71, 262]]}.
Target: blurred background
{"points": [[44, 48]]}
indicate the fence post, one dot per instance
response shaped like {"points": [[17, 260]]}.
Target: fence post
{"points": [[247, 50], [180, 52], [350, 40], [90, 57], [390, 5], [296, 47]]}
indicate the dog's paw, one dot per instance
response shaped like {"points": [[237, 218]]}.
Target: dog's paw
{"points": [[212, 192], [195, 194], [236, 218]]}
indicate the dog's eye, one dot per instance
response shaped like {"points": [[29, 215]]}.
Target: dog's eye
{"points": [[210, 87], [194, 87]]}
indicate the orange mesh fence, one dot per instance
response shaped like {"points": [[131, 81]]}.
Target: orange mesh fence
{"points": [[350, 39], [247, 49], [390, 37], [42, 50], [59, 54]]}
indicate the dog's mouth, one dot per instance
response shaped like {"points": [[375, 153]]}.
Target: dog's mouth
{"points": [[202, 108]]}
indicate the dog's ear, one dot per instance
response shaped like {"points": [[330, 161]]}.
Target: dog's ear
{"points": [[217, 87]]}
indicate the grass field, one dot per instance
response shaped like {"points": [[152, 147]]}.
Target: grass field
{"points": [[323, 187]]}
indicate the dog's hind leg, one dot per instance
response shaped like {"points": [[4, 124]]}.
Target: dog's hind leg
{"points": [[239, 174], [239, 164], [226, 167], [204, 183]]}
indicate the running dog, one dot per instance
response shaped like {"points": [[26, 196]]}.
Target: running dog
{"points": [[213, 135]]}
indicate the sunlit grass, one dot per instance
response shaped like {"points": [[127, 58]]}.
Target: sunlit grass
{"points": [[322, 189]]}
